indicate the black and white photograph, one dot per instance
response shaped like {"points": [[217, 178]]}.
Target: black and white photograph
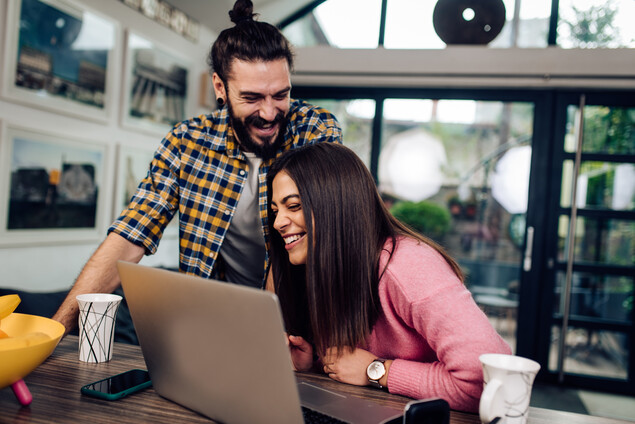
{"points": [[157, 86]]}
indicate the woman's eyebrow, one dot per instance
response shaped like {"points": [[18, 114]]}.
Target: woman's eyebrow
{"points": [[286, 199]]}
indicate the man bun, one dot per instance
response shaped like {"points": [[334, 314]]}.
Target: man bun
{"points": [[248, 40], [243, 11]]}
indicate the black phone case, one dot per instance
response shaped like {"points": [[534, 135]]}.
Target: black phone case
{"points": [[427, 411]]}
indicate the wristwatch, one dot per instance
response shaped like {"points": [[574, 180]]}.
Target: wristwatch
{"points": [[375, 371]]}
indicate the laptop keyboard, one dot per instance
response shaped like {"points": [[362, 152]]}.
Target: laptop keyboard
{"points": [[312, 416]]}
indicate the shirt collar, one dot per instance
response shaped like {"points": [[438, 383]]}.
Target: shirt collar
{"points": [[223, 139]]}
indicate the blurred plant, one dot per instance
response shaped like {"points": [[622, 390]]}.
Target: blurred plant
{"points": [[427, 218], [594, 27], [609, 129]]}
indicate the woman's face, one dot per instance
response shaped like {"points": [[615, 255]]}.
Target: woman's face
{"points": [[289, 218]]}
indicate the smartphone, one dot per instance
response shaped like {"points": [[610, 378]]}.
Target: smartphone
{"points": [[427, 411], [119, 385]]}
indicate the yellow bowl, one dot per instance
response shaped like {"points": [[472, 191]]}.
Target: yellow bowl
{"points": [[17, 363]]}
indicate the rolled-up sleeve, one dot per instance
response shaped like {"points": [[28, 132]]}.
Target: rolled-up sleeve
{"points": [[156, 200]]}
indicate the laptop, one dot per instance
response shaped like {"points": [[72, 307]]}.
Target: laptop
{"points": [[220, 349]]}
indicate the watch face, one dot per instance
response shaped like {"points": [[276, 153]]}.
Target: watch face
{"points": [[376, 370]]}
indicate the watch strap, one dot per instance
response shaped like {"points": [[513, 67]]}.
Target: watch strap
{"points": [[375, 383]]}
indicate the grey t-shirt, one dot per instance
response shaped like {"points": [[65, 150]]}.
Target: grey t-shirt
{"points": [[243, 249]]}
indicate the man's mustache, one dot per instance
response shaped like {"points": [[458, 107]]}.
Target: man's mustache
{"points": [[259, 122]]}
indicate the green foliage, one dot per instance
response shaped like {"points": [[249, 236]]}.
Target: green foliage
{"points": [[600, 180], [427, 218], [594, 27], [609, 130]]}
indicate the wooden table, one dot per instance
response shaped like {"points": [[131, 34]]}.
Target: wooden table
{"points": [[56, 383]]}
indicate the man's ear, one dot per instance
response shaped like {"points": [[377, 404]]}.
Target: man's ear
{"points": [[219, 87]]}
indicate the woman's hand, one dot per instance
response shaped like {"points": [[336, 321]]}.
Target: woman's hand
{"points": [[301, 353], [349, 367]]}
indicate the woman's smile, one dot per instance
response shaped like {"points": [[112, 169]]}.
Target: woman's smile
{"points": [[289, 217], [293, 240]]}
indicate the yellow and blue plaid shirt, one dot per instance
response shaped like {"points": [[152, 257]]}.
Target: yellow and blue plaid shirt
{"points": [[199, 171]]}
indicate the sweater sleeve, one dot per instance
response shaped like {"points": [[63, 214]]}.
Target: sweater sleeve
{"points": [[430, 300]]}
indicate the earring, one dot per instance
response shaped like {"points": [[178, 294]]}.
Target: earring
{"points": [[220, 101]]}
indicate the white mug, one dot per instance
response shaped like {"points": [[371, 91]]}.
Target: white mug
{"points": [[507, 381]]}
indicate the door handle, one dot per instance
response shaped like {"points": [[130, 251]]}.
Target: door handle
{"points": [[528, 249]]}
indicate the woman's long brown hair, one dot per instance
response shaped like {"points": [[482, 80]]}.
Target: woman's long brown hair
{"points": [[333, 300]]}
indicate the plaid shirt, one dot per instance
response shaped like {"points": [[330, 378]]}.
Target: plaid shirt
{"points": [[200, 171]]}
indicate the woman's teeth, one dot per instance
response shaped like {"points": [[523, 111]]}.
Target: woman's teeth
{"points": [[291, 239]]}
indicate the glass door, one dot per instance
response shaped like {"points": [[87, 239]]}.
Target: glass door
{"points": [[588, 328], [459, 167], [458, 171], [492, 176]]}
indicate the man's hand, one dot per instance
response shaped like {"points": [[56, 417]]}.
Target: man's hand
{"points": [[98, 276], [301, 353], [349, 366]]}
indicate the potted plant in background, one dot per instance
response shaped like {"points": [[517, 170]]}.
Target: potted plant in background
{"points": [[427, 218]]}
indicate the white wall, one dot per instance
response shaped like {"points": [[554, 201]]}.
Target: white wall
{"points": [[55, 265]]}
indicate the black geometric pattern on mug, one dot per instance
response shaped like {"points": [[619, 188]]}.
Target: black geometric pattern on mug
{"points": [[99, 326], [519, 407]]}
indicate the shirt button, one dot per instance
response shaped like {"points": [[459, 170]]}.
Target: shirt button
{"points": [[227, 212], [242, 172]]}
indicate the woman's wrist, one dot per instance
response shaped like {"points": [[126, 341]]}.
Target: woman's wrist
{"points": [[384, 379]]}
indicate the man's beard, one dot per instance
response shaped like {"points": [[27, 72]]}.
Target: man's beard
{"points": [[269, 146]]}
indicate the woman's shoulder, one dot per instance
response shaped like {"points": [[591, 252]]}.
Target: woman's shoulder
{"points": [[409, 251], [415, 265]]}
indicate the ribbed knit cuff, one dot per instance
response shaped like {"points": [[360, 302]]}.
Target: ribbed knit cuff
{"points": [[401, 379]]}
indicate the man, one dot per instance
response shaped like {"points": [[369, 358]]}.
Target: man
{"points": [[212, 168]]}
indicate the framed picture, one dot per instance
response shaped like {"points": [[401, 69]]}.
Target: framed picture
{"points": [[133, 164], [155, 84], [52, 188], [60, 56]]}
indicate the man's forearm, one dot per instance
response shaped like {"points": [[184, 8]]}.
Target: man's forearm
{"points": [[98, 276]]}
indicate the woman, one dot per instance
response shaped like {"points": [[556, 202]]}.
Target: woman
{"points": [[375, 302]]}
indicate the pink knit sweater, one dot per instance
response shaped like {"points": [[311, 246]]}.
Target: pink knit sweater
{"points": [[432, 329]]}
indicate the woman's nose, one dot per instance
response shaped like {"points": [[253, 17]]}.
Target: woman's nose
{"points": [[280, 222]]}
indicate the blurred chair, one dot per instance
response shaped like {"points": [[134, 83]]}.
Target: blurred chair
{"points": [[502, 308]]}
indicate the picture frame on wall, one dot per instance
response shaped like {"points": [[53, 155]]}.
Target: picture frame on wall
{"points": [[60, 56], [133, 163], [206, 93], [156, 89], [52, 188]]}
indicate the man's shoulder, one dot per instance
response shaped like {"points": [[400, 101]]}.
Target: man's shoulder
{"points": [[310, 124], [205, 127], [203, 122], [301, 111]]}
